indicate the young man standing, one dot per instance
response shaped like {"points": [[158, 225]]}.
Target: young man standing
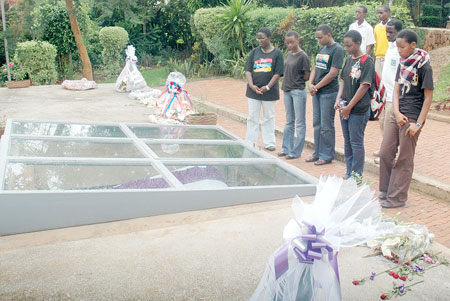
{"points": [[413, 92], [263, 69], [364, 28], [381, 41], [392, 59], [323, 86]]}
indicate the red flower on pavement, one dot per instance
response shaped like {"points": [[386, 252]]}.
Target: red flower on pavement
{"points": [[403, 278], [391, 273], [355, 282], [383, 296], [408, 263], [395, 276]]}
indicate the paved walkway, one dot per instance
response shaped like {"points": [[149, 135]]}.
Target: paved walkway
{"points": [[431, 159], [433, 145]]}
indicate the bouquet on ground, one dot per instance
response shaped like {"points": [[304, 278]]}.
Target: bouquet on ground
{"points": [[400, 241], [130, 79], [175, 102], [305, 267]]}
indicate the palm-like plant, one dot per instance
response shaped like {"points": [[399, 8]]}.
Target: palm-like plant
{"points": [[235, 19]]}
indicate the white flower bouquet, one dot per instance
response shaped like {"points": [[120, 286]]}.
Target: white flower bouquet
{"points": [[305, 267]]}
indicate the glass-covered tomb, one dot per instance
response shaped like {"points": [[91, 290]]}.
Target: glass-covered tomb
{"points": [[57, 174]]}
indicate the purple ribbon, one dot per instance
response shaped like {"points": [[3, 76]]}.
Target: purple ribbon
{"points": [[307, 248]]}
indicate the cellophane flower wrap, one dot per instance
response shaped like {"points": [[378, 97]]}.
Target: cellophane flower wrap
{"points": [[130, 79], [305, 267]]}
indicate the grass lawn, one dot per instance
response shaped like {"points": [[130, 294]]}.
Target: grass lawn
{"points": [[153, 76], [442, 89]]}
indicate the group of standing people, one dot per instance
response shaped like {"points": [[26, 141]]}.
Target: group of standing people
{"points": [[345, 85]]}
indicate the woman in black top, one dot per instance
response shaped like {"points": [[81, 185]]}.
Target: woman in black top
{"points": [[263, 69], [296, 73], [353, 101]]}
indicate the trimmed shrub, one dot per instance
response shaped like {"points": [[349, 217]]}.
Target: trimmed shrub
{"points": [[210, 29], [271, 18], [37, 58], [431, 16], [431, 10], [114, 39], [429, 21]]}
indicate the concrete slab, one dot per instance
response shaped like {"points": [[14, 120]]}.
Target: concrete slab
{"points": [[56, 103], [217, 254]]}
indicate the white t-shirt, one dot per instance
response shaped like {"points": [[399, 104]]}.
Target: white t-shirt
{"points": [[391, 61], [366, 31]]}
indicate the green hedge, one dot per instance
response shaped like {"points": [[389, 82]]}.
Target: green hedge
{"points": [[429, 21], [305, 21], [431, 10], [114, 39], [37, 58]]}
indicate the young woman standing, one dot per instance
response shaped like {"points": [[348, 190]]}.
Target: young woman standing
{"points": [[353, 101], [296, 73]]}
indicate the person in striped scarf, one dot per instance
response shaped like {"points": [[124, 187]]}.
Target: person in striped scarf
{"points": [[413, 92]]}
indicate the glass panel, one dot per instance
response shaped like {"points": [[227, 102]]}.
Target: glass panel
{"points": [[179, 133], [53, 148], [28, 176], [201, 151], [221, 176], [55, 129]]}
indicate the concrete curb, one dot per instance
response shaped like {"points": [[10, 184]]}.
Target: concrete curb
{"points": [[438, 117], [423, 184]]}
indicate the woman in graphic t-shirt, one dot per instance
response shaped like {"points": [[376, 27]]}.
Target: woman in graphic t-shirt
{"points": [[353, 101], [296, 73]]}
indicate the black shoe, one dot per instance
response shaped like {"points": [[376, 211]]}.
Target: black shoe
{"points": [[382, 196], [281, 154], [322, 162], [387, 205], [271, 148], [311, 159]]}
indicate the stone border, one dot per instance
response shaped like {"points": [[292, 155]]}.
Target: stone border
{"points": [[438, 117], [420, 183]]}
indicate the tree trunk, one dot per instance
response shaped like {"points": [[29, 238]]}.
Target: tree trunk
{"points": [[87, 67]]}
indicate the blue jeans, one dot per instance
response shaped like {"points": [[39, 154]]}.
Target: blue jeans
{"points": [[323, 123], [295, 105], [353, 130]]}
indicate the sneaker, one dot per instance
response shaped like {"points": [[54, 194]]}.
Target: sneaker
{"points": [[281, 154], [290, 157], [376, 153], [271, 148]]}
